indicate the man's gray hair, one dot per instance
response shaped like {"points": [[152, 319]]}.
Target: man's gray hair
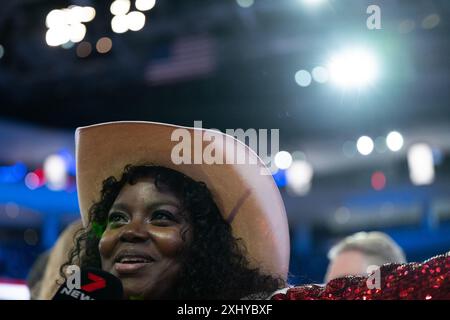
{"points": [[377, 246]]}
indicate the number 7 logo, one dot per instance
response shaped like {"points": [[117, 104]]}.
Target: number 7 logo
{"points": [[99, 283]]}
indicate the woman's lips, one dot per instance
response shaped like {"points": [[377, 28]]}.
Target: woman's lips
{"points": [[129, 268], [131, 261]]}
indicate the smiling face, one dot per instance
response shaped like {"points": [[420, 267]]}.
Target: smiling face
{"points": [[145, 239]]}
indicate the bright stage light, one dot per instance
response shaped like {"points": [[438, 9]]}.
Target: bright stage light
{"points": [[299, 176], [120, 7], [421, 165], [394, 141], [65, 25], [14, 291], [77, 31], [353, 68], [56, 18], [57, 36], [145, 5], [55, 171], [135, 20], [88, 14], [283, 160], [365, 145], [77, 14], [119, 24]]}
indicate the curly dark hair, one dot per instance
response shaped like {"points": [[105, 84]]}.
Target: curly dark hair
{"points": [[218, 267]]}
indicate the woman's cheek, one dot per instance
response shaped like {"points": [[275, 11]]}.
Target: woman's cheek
{"points": [[169, 241], [106, 244]]}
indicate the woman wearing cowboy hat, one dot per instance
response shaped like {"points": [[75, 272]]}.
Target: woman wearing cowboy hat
{"points": [[171, 231], [205, 230]]}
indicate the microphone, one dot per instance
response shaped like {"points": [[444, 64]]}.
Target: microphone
{"points": [[93, 284]]}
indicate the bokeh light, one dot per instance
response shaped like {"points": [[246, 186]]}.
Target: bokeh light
{"points": [[420, 163], [120, 7], [135, 20], [77, 32], [84, 49], [104, 45], [431, 21], [12, 210], [406, 26], [299, 176], [378, 180], [353, 68], [58, 35], [55, 171], [245, 3], [303, 78], [66, 25], [380, 144], [320, 74], [88, 14], [349, 149], [283, 160], [56, 18], [119, 24], [145, 5], [31, 237], [365, 145], [32, 181], [394, 141], [77, 14], [342, 215]]}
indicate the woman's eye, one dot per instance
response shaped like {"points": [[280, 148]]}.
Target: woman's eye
{"points": [[117, 217], [162, 215]]}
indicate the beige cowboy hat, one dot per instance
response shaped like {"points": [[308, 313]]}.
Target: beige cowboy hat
{"points": [[244, 191]]}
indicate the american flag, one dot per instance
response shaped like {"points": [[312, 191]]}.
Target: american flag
{"points": [[188, 58]]}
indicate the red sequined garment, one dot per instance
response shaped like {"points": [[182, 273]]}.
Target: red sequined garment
{"points": [[427, 280]]}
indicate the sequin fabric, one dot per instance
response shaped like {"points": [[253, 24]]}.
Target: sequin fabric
{"points": [[429, 280]]}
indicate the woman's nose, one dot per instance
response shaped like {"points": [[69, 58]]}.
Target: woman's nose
{"points": [[134, 232]]}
